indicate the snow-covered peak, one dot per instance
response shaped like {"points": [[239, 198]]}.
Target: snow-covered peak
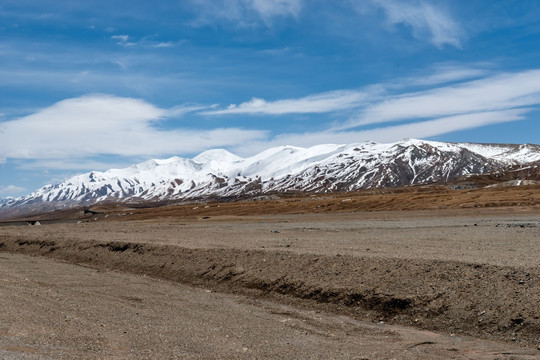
{"points": [[511, 154], [327, 167], [218, 155], [283, 160]]}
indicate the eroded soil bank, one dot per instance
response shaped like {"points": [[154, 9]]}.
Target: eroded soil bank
{"points": [[56, 310]]}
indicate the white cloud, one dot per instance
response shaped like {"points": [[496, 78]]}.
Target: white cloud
{"points": [[454, 106], [385, 103], [498, 92], [167, 44], [426, 21], [146, 41], [11, 190], [423, 129], [74, 164], [151, 42], [78, 133], [102, 124], [121, 38], [318, 103], [446, 74], [181, 110]]}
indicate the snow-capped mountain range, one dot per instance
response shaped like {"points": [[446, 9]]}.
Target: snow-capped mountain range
{"points": [[322, 168]]}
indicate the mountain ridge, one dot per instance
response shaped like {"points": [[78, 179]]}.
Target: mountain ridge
{"points": [[321, 168]]}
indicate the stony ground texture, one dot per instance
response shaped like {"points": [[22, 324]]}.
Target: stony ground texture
{"points": [[462, 283]]}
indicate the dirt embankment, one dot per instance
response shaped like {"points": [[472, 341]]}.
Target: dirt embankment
{"points": [[56, 310], [479, 299]]}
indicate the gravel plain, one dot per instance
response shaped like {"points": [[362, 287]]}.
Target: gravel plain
{"points": [[455, 284]]}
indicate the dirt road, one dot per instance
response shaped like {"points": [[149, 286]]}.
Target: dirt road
{"points": [[295, 286]]}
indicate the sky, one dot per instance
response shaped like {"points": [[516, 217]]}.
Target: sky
{"points": [[94, 85]]}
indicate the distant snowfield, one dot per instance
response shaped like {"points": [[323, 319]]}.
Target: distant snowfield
{"points": [[321, 168]]}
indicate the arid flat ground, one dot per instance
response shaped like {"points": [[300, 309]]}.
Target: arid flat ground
{"points": [[417, 284]]}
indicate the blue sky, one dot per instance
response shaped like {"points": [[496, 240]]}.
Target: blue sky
{"points": [[104, 84]]}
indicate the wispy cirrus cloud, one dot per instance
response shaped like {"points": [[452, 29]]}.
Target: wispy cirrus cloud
{"points": [[123, 40], [317, 103], [147, 41], [120, 38], [379, 104], [426, 20], [422, 129], [163, 44], [497, 92], [441, 109], [446, 73]]}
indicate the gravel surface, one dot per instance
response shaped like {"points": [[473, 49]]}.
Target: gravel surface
{"points": [[349, 285]]}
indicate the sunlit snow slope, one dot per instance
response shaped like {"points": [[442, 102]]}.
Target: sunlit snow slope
{"points": [[218, 173]]}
